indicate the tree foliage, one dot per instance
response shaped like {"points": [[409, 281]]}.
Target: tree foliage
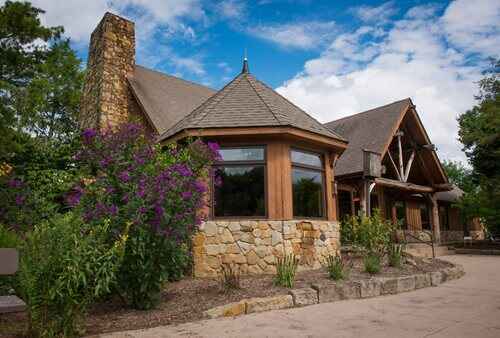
{"points": [[40, 80], [480, 134]]}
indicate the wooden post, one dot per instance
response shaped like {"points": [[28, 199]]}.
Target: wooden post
{"points": [[435, 218], [400, 148]]}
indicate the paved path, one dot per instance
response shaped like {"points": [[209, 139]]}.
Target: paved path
{"points": [[468, 307]]}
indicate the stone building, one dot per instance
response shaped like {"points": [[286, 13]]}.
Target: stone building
{"points": [[278, 193]]}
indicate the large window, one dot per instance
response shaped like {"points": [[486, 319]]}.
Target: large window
{"points": [[307, 184], [240, 183]]}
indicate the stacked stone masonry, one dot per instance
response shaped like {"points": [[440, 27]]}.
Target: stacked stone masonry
{"points": [[106, 99], [255, 245]]}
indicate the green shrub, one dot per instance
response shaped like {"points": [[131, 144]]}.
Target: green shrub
{"points": [[286, 268], [230, 277], [371, 264], [8, 239], [372, 235], [65, 266], [395, 254], [336, 268]]}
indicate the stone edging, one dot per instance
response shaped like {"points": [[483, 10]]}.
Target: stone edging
{"points": [[330, 292]]}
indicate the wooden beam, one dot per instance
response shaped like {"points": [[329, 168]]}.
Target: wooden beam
{"points": [[403, 185], [400, 148], [394, 165], [408, 166]]}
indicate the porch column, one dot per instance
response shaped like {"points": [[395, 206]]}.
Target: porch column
{"points": [[435, 218]]}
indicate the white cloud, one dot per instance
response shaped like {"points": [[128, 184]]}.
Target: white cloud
{"points": [[302, 35], [474, 25], [378, 14], [224, 67], [191, 65], [231, 9], [413, 57], [80, 17]]}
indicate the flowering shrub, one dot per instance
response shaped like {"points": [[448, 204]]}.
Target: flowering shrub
{"points": [[158, 191]]}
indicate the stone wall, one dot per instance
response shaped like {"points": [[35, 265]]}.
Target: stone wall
{"points": [[255, 245], [106, 95]]}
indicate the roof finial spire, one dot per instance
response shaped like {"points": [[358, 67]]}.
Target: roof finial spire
{"points": [[245, 63]]}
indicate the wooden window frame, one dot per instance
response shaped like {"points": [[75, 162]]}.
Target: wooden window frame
{"points": [[223, 164], [320, 169]]}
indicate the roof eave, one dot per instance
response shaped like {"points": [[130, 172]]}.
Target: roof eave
{"points": [[340, 145]]}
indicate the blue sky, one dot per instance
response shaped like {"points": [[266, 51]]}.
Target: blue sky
{"points": [[331, 58]]}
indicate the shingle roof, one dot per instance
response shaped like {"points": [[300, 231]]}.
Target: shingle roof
{"points": [[166, 99], [368, 130], [247, 102]]}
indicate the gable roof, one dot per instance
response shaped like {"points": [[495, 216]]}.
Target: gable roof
{"points": [[166, 99], [368, 130], [247, 102]]}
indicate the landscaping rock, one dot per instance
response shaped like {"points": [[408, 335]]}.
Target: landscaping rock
{"points": [[453, 272], [331, 292], [422, 280], [304, 296], [269, 303], [370, 288], [227, 310], [406, 284], [436, 278], [389, 286], [327, 292]]}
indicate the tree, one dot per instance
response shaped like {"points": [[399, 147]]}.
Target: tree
{"points": [[459, 175], [479, 132], [48, 105], [40, 80]]}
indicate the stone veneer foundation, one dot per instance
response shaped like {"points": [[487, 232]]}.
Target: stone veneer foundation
{"points": [[255, 245]]}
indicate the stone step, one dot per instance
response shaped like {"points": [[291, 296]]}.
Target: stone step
{"points": [[424, 250]]}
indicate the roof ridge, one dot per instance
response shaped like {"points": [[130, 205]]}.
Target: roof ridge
{"points": [[223, 96], [302, 110], [193, 112], [366, 111], [171, 76], [264, 101]]}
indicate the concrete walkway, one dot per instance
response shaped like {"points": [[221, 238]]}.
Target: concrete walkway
{"points": [[467, 307]]}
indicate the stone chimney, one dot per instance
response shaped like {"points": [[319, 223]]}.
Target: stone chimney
{"points": [[106, 98]]}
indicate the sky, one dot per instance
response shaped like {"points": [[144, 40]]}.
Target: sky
{"points": [[331, 58]]}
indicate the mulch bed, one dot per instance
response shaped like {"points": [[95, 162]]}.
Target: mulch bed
{"points": [[186, 300]]}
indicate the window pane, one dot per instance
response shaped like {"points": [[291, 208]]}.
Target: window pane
{"points": [[307, 193], [242, 154], [306, 158], [401, 214], [424, 216], [241, 192]]}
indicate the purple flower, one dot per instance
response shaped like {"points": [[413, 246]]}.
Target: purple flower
{"points": [[124, 176], [15, 183], [186, 195], [142, 210], [183, 170], [113, 210], [88, 135], [200, 186], [20, 200], [105, 162], [214, 148]]}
